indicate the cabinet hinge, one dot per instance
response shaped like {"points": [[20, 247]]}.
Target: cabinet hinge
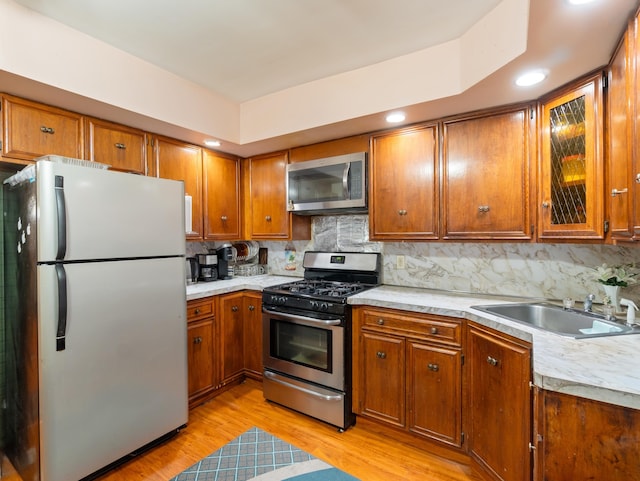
{"points": [[533, 229], [531, 115], [0, 145], [606, 226], [461, 438], [605, 80], [462, 359], [531, 385]]}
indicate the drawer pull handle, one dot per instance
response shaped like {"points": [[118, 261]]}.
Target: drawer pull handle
{"points": [[483, 208], [120, 146], [47, 130], [434, 330], [492, 360], [381, 322], [197, 340], [615, 192], [433, 367], [224, 218], [637, 178], [197, 311], [381, 355], [252, 308], [402, 212], [268, 218]]}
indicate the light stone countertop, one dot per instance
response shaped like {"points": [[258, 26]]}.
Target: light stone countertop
{"points": [[602, 368]]}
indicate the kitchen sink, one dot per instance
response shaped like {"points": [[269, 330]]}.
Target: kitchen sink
{"points": [[567, 322]]}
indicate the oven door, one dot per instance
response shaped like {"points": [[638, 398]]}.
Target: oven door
{"points": [[304, 347]]}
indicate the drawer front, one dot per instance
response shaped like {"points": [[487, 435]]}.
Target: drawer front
{"points": [[200, 309], [435, 328]]}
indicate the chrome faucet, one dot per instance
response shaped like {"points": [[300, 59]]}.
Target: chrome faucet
{"points": [[588, 303]]}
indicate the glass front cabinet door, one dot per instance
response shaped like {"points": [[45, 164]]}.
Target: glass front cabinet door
{"points": [[571, 163]]}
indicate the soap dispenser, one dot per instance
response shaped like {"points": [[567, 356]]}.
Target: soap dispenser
{"points": [[631, 311]]}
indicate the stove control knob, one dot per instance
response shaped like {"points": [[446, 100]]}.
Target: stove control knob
{"points": [[314, 304], [324, 306], [282, 301]]}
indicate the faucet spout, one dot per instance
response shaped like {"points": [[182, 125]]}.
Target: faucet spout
{"points": [[588, 303]]}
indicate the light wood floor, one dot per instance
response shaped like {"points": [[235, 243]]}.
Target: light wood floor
{"points": [[366, 451]]}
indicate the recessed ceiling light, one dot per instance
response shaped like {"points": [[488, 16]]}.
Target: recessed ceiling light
{"points": [[212, 143], [531, 78], [579, 2], [395, 117]]}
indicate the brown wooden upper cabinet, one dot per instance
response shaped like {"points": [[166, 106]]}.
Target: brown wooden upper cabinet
{"points": [[623, 159], [571, 184], [486, 176], [221, 194], [403, 195], [31, 130], [266, 215], [177, 160], [123, 148]]}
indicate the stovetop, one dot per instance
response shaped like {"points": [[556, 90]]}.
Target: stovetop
{"points": [[322, 288], [329, 279]]}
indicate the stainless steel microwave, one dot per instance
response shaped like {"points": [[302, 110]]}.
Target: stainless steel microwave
{"points": [[334, 185]]}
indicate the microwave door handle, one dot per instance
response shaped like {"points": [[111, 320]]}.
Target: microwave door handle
{"points": [[345, 181]]}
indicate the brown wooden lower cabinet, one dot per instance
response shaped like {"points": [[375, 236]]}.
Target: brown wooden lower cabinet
{"points": [[407, 371], [224, 342], [201, 350], [580, 439], [499, 403]]}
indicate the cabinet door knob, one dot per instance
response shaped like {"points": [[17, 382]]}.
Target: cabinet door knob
{"points": [[402, 212], [252, 307], [268, 218], [381, 322], [47, 130], [381, 355], [120, 146], [546, 205], [483, 208], [433, 367], [615, 192], [492, 360], [223, 218], [234, 308], [197, 311], [434, 330], [638, 178], [197, 340]]}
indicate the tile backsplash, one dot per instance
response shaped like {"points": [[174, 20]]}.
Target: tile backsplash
{"points": [[552, 271]]}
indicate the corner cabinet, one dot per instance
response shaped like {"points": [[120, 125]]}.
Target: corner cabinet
{"points": [[571, 163], [221, 194], [403, 198], [408, 372], [499, 403], [177, 160], [265, 200], [31, 130], [487, 176]]}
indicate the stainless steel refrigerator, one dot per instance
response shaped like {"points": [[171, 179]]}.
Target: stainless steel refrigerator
{"points": [[95, 317]]}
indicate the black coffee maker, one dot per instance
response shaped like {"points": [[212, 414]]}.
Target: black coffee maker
{"points": [[225, 261]]}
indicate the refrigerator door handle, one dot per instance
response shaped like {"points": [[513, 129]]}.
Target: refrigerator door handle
{"points": [[61, 212], [62, 308]]}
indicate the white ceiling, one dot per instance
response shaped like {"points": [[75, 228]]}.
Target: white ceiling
{"points": [[247, 50], [244, 49]]}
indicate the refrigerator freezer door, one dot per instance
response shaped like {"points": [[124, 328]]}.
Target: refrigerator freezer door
{"points": [[87, 214], [121, 381]]}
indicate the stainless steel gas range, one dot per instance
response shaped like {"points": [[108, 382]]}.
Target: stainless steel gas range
{"points": [[307, 334]]}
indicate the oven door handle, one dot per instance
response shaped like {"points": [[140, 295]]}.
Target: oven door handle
{"points": [[323, 322], [275, 378]]}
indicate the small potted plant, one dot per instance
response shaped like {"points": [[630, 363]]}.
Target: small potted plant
{"points": [[613, 278]]}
